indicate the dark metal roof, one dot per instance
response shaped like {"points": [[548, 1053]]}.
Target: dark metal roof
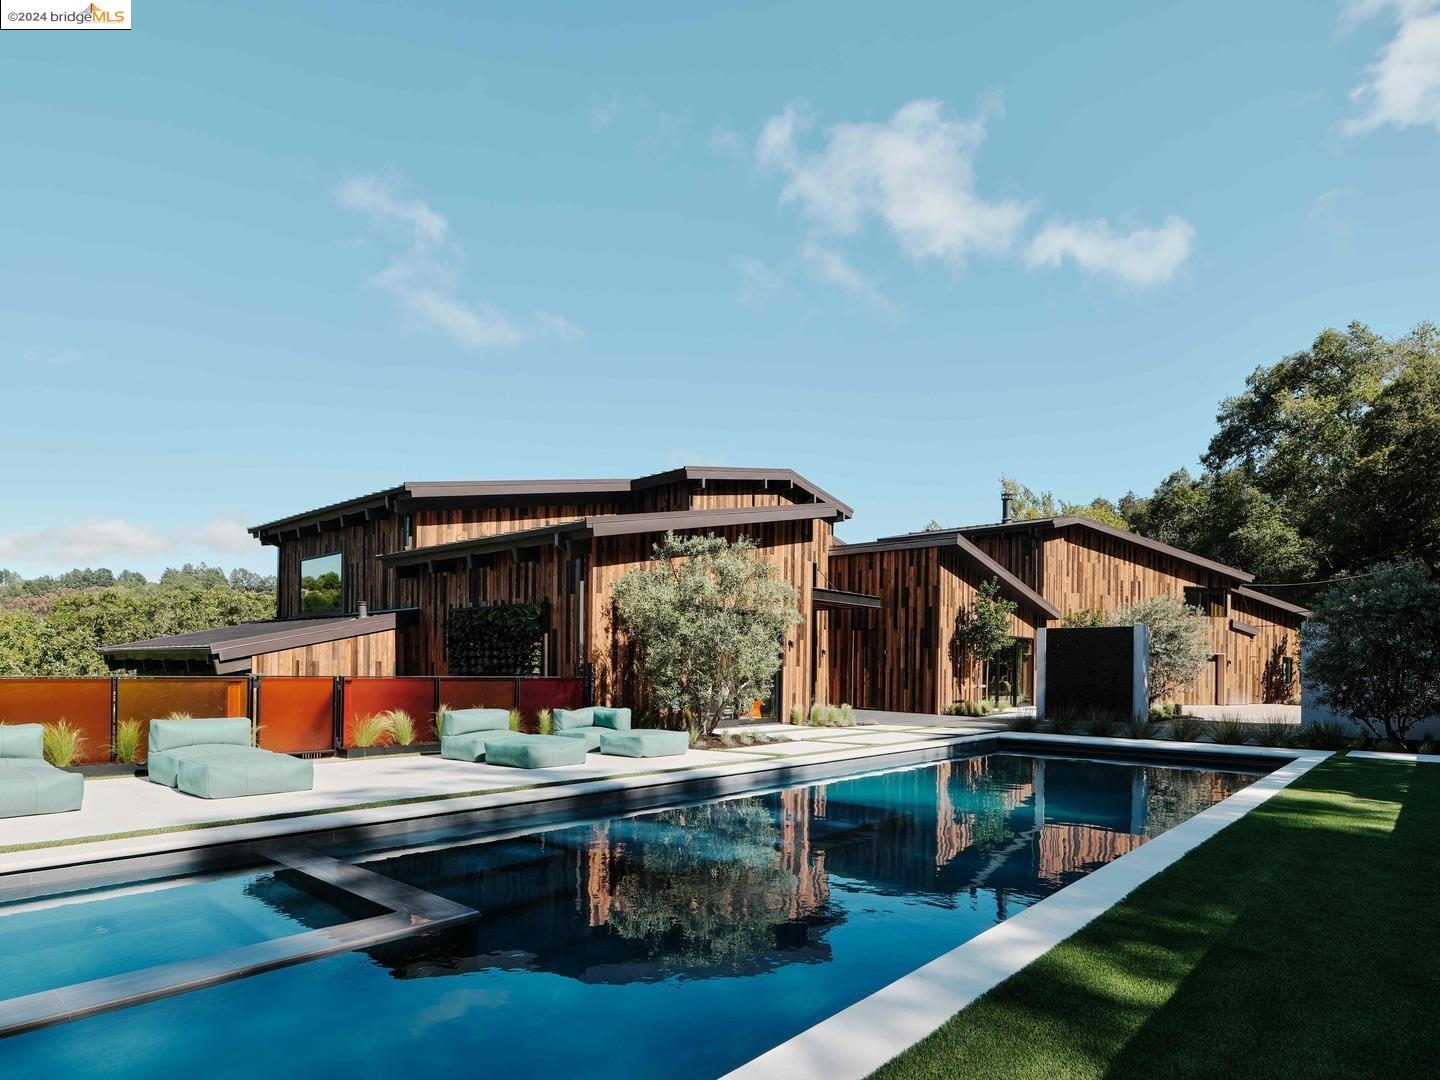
{"points": [[842, 598], [1067, 520], [1273, 601], [228, 643], [413, 494], [953, 538], [608, 525]]}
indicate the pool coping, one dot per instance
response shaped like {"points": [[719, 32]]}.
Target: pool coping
{"points": [[1388, 755], [862, 1037]]}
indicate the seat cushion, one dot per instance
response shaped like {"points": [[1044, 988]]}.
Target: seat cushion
{"points": [[614, 719], [470, 746], [644, 743], [34, 787], [536, 751], [162, 767], [244, 772], [22, 742], [466, 721], [590, 736], [572, 719], [229, 730]]}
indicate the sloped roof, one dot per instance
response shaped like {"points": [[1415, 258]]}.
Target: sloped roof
{"points": [[953, 538], [412, 494], [609, 525], [1066, 521], [1273, 601], [226, 644]]}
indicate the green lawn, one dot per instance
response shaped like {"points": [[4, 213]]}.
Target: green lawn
{"points": [[1299, 942]]}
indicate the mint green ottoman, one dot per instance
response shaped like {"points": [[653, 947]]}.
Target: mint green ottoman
{"points": [[590, 736], [644, 742], [244, 771], [28, 783], [535, 751], [464, 733]]}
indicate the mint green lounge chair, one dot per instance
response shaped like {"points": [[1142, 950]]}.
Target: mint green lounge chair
{"points": [[212, 758], [28, 783], [647, 742], [590, 723], [464, 733], [535, 751]]}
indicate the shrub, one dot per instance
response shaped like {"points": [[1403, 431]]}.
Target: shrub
{"points": [[969, 708], [847, 715], [402, 728], [177, 715], [1101, 723], [1230, 731], [517, 721], [1275, 733], [830, 716], [1186, 728], [1141, 727], [1326, 735], [797, 715], [63, 743], [127, 740], [1061, 722], [440, 719], [368, 731], [1025, 722], [1180, 645], [545, 722]]}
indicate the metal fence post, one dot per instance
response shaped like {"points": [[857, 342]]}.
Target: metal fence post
{"points": [[114, 714], [337, 712]]}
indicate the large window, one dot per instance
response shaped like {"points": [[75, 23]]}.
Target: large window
{"points": [[1209, 601], [320, 585]]}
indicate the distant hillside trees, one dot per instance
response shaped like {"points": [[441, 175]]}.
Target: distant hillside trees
{"points": [[55, 625]]}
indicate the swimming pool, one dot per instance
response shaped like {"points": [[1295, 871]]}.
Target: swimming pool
{"points": [[678, 942]]}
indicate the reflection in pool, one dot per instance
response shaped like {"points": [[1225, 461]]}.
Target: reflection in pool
{"points": [[674, 943]]}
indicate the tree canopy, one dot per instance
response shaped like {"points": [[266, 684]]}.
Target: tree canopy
{"points": [[710, 618], [1180, 645]]}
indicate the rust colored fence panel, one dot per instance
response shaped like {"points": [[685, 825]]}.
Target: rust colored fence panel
{"points": [[537, 694], [461, 693], [85, 703], [199, 697], [295, 714], [414, 694]]}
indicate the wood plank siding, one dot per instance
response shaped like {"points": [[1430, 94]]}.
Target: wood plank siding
{"points": [[904, 656], [367, 654], [1079, 569]]}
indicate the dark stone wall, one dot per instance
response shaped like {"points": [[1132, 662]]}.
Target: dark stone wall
{"points": [[1090, 667]]}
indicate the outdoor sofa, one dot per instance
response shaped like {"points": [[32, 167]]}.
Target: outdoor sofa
{"points": [[212, 758], [465, 733], [590, 723], [28, 783]]}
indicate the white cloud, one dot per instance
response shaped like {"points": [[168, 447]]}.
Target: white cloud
{"points": [[914, 173], [226, 534], [759, 281], [422, 273], [1402, 86], [833, 268], [83, 543], [1142, 256]]}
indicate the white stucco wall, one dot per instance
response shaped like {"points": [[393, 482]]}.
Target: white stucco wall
{"points": [[1312, 712]]}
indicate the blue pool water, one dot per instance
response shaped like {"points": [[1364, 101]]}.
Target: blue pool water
{"points": [[677, 943]]}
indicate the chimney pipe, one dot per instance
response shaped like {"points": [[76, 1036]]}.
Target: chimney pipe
{"points": [[1007, 513], [363, 611]]}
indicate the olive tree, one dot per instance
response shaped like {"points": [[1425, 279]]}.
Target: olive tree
{"points": [[1180, 644], [982, 627], [1373, 648], [710, 619]]}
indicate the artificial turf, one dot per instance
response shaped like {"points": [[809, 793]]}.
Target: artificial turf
{"points": [[1299, 942]]}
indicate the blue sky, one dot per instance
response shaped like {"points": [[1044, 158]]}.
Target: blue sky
{"points": [[253, 262]]}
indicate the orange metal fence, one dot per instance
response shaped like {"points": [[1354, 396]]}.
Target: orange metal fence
{"points": [[292, 714]]}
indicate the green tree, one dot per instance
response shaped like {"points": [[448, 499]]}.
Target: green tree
{"points": [[1373, 648], [982, 628], [198, 574], [710, 619], [1027, 505], [1180, 644]]}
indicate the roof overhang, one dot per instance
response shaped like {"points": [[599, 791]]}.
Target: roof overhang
{"points": [[952, 538], [418, 495], [232, 648], [843, 600], [1273, 601], [575, 535]]}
